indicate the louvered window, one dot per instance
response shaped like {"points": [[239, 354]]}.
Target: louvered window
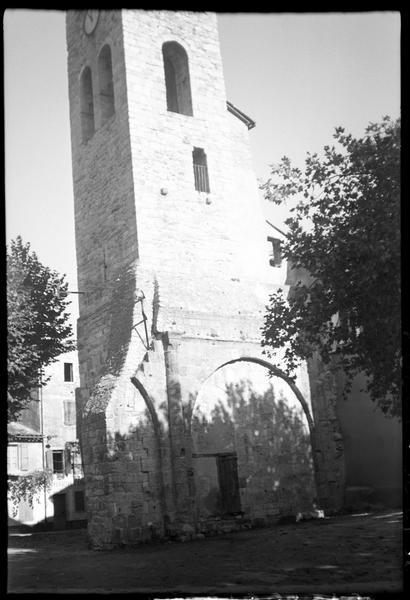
{"points": [[200, 170]]}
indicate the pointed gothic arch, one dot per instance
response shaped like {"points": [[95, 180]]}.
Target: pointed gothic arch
{"points": [[252, 451], [278, 373]]}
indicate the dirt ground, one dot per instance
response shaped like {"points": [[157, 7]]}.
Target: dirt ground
{"points": [[353, 554]]}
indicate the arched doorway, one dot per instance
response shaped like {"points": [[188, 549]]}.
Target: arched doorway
{"points": [[252, 452]]}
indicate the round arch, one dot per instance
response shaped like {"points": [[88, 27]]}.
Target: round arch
{"points": [[177, 78]]}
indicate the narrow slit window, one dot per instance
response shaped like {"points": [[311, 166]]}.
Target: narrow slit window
{"points": [[105, 79], [275, 253], [177, 79], [200, 170], [68, 372], [87, 105]]}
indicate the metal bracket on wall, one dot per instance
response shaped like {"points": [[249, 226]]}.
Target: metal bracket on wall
{"points": [[145, 342]]}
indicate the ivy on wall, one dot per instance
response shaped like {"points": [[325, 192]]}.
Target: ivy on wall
{"points": [[26, 487]]}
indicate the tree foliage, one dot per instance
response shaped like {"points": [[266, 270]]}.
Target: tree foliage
{"points": [[38, 330], [27, 487], [344, 235]]}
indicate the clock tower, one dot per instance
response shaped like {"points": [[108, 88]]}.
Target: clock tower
{"points": [[172, 258]]}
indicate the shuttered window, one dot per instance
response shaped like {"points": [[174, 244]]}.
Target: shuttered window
{"points": [[49, 460], [67, 460], [12, 459], [69, 412], [58, 461], [200, 170], [24, 460]]}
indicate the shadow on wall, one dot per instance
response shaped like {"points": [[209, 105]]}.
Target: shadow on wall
{"points": [[63, 517], [252, 455], [106, 367], [133, 483], [122, 314]]}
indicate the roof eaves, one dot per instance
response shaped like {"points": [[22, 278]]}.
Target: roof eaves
{"points": [[24, 437]]}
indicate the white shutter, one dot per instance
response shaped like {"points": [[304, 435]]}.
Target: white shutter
{"points": [[12, 458], [24, 457], [49, 460], [69, 412]]}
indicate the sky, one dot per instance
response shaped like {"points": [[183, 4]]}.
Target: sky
{"points": [[297, 75]]}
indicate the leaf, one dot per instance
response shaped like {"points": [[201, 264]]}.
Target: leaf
{"points": [[344, 234], [38, 328]]}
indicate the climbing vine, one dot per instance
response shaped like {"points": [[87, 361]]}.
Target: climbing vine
{"points": [[25, 487]]}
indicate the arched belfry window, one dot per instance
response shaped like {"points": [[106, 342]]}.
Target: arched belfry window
{"points": [[177, 80], [106, 91], [87, 105]]}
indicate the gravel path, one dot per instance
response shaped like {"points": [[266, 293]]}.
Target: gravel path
{"points": [[347, 554]]}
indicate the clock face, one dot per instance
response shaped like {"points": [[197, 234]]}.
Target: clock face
{"points": [[90, 21]]}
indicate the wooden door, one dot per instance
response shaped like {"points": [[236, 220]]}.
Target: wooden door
{"points": [[59, 511], [229, 483]]}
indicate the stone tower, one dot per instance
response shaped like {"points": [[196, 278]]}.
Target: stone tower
{"points": [[172, 260]]}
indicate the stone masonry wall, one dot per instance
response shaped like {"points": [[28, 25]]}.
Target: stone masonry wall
{"points": [[107, 251], [193, 362], [205, 254], [328, 441], [104, 201], [199, 260], [328, 444]]}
